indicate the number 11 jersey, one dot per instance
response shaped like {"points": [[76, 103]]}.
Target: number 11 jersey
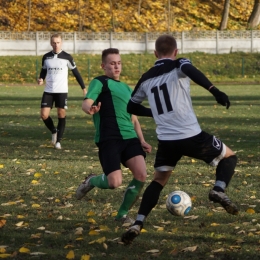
{"points": [[167, 89]]}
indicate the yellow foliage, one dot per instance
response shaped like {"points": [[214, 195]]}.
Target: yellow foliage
{"points": [[121, 16]]}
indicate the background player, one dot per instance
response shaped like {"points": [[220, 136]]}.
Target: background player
{"points": [[118, 134], [55, 65], [167, 87]]}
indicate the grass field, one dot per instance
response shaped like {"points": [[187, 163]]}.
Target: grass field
{"points": [[41, 219]]}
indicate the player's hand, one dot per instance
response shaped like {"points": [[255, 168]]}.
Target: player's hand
{"points": [[40, 81], [94, 109], [146, 147], [220, 97]]}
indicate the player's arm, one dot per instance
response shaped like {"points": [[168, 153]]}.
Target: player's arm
{"points": [[89, 108], [79, 80], [199, 78], [138, 109], [146, 147], [42, 76]]}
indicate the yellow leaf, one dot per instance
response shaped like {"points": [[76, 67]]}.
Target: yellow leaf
{"points": [[206, 184], [250, 211], [68, 246], [34, 182], [101, 240], [20, 216], [104, 228], [57, 200], [2, 222], [91, 213], [85, 257], [114, 214], [4, 255], [93, 233], [143, 230], [1, 166], [70, 255], [56, 172], [19, 224], [2, 250], [160, 229], [193, 161], [37, 175], [24, 250], [36, 206], [91, 220], [79, 238], [214, 224]]}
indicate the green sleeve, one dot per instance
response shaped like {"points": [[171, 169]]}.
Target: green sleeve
{"points": [[94, 89]]}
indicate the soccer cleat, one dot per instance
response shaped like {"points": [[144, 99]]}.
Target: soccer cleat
{"points": [[84, 187], [129, 236], [57, 146], [226, 203], [125, 220], [54, 138]]}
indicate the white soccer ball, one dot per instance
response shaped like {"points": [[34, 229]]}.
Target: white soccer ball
{"points": [[178, 203]]}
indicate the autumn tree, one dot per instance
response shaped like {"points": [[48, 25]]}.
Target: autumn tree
{"points": [[224, 20], [254, 18]]}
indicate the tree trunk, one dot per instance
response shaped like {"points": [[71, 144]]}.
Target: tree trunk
{"points": [[29, 14], [254, 18], [112, 15], [224, 20]]}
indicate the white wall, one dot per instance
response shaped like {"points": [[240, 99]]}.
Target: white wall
{"points": [[38, 43]]}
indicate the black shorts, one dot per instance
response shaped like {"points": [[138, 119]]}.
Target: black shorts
{"points": [[203, 146], [114, 152], [60, 100]]}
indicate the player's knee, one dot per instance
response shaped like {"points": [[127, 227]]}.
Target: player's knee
{"points": [[114, 184]]}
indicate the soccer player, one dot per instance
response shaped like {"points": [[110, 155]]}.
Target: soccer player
{"points": [[167, 87], [55, 65], [118, 135]]}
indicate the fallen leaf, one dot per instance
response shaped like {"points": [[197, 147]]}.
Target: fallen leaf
{"points": [[24, 250], [153, 251], [2, 222], [190, 249], [85, 257], [250, 211], [70, 255]]}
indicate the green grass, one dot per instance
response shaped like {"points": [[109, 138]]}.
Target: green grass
{"points": [[50, 202], [232, 67]]}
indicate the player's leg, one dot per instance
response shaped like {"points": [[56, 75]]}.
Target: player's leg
{"points": [[46, 106], [109, 156], [133, 157], [166, 160], [61, 105], [208, 148]]}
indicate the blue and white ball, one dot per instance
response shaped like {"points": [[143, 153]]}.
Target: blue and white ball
{"points": [[178, 203]]}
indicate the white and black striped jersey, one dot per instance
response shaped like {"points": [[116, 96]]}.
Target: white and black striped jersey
{"points": [[167, 89], [56, 66]]}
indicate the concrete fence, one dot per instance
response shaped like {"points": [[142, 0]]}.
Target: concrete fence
{"points": [[215, 42]]}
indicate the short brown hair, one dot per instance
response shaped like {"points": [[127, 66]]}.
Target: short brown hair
{"points": [[108, 51], [56, 35], [165, 44]]}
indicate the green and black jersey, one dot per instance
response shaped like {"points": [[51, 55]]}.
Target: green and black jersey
{"points": [[112, 121]]}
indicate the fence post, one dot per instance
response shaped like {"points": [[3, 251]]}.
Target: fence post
{"points": [[74, 43], [146, 42], [111, 39], [36, 43], [217, 38], [182, 42], [252, 46]]}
